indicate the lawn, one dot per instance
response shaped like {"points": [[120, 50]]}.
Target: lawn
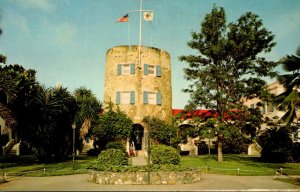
{"points": [[239, 165], [247, 165]]}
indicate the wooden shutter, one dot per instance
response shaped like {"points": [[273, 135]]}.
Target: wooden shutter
{"points": [[158, 71], [132, 97], [118, 98], [158, 98], [132, 69], [145, 97], [146, 69], [119, 69]]}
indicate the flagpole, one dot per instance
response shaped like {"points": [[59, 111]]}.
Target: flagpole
{"points": [[140, 34]]}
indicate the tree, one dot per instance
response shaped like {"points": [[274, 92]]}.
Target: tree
{"points": [[111, 126], [48, 130], [289, 100], [227, 67], [161, 132], [276, 144], [89, 110], [7, 95]]}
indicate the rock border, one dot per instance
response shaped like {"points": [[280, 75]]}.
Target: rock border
{"points": [[141, 178]]}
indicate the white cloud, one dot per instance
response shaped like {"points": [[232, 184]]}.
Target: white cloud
{"points": [[44, 5]]}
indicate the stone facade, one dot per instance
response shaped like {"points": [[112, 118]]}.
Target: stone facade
{"points": [[141, 178], [127, 73]]}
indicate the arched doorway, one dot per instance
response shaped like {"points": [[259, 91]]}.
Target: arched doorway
{"points": [[137, 134]]}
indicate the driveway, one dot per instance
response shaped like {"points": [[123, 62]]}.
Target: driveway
{"points": [[210, 182]]}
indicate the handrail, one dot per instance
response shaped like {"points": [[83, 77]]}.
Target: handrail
{"points": [[8, 147]]}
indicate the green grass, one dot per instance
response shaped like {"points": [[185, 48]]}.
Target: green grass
{"points": [[247, 165], [28, 166]]}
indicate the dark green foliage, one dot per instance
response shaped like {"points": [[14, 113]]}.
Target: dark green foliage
{"points": [[227, 66], [111, 126], [187, 130], [202, 148], [289, 101], [236, 144], [161, 132], [112, 157], [276, 144], [114, 145], [93, 152], [48, 124], [296, 152], [162, 154]]}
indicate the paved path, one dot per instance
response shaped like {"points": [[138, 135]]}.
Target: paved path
{"points": [[139, 161], [210, 182]]}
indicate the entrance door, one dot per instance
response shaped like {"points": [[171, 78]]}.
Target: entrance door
{"points": [[136, 136]]}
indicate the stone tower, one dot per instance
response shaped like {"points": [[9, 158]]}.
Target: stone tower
{"points": [[142, 88]]}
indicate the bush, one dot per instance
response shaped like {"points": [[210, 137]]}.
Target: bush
{"points": [[162, 154], [202, 148], [112, 157], [114, 145], [238, 145], [276, 145], [296, 152]]}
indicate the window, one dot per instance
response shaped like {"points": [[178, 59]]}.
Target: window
{"points": [[126, 69], [152, 70], [125, 97], [153, 98]]}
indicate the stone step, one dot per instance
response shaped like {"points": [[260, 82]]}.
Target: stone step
{"points": [[139, 161]]}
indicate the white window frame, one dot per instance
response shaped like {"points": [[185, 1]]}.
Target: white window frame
{"points": [[152, 98], [125, 97]]}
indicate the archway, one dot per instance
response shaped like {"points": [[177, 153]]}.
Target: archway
{"points": [[137, 134]]}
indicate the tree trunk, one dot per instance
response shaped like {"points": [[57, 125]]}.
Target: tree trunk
{"points": [[220, 153]]}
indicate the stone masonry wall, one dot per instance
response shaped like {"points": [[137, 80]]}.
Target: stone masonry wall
{"points": [[139, 82], [141, 178]]}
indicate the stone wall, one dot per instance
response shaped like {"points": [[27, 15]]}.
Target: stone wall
{"points": [[141, 178], [138, 82]]}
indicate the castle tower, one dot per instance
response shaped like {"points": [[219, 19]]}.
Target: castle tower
{"points": [[142, 88]]}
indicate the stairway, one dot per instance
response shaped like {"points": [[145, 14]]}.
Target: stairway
{"points": [[140, 159], [14, 150], [86, 147]]}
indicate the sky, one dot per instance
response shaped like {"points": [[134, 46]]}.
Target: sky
{"points": [[66, 41]]}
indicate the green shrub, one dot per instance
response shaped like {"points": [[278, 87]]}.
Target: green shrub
{"points": [[112, 157], [202, 148], [114, 145], [276, 145], [162, 154]]}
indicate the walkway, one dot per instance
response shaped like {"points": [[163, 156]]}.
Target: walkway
{"points": [[210, 182]]}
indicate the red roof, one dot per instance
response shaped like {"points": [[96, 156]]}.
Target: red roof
{"points": [[202, 113]]}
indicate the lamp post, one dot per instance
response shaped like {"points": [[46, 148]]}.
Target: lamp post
{"points": [[73, 153], [209, 132]]}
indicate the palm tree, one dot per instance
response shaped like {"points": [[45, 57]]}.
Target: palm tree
{"points": [[276, 144], [289, 100], [89, 110], [48, 129]]}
